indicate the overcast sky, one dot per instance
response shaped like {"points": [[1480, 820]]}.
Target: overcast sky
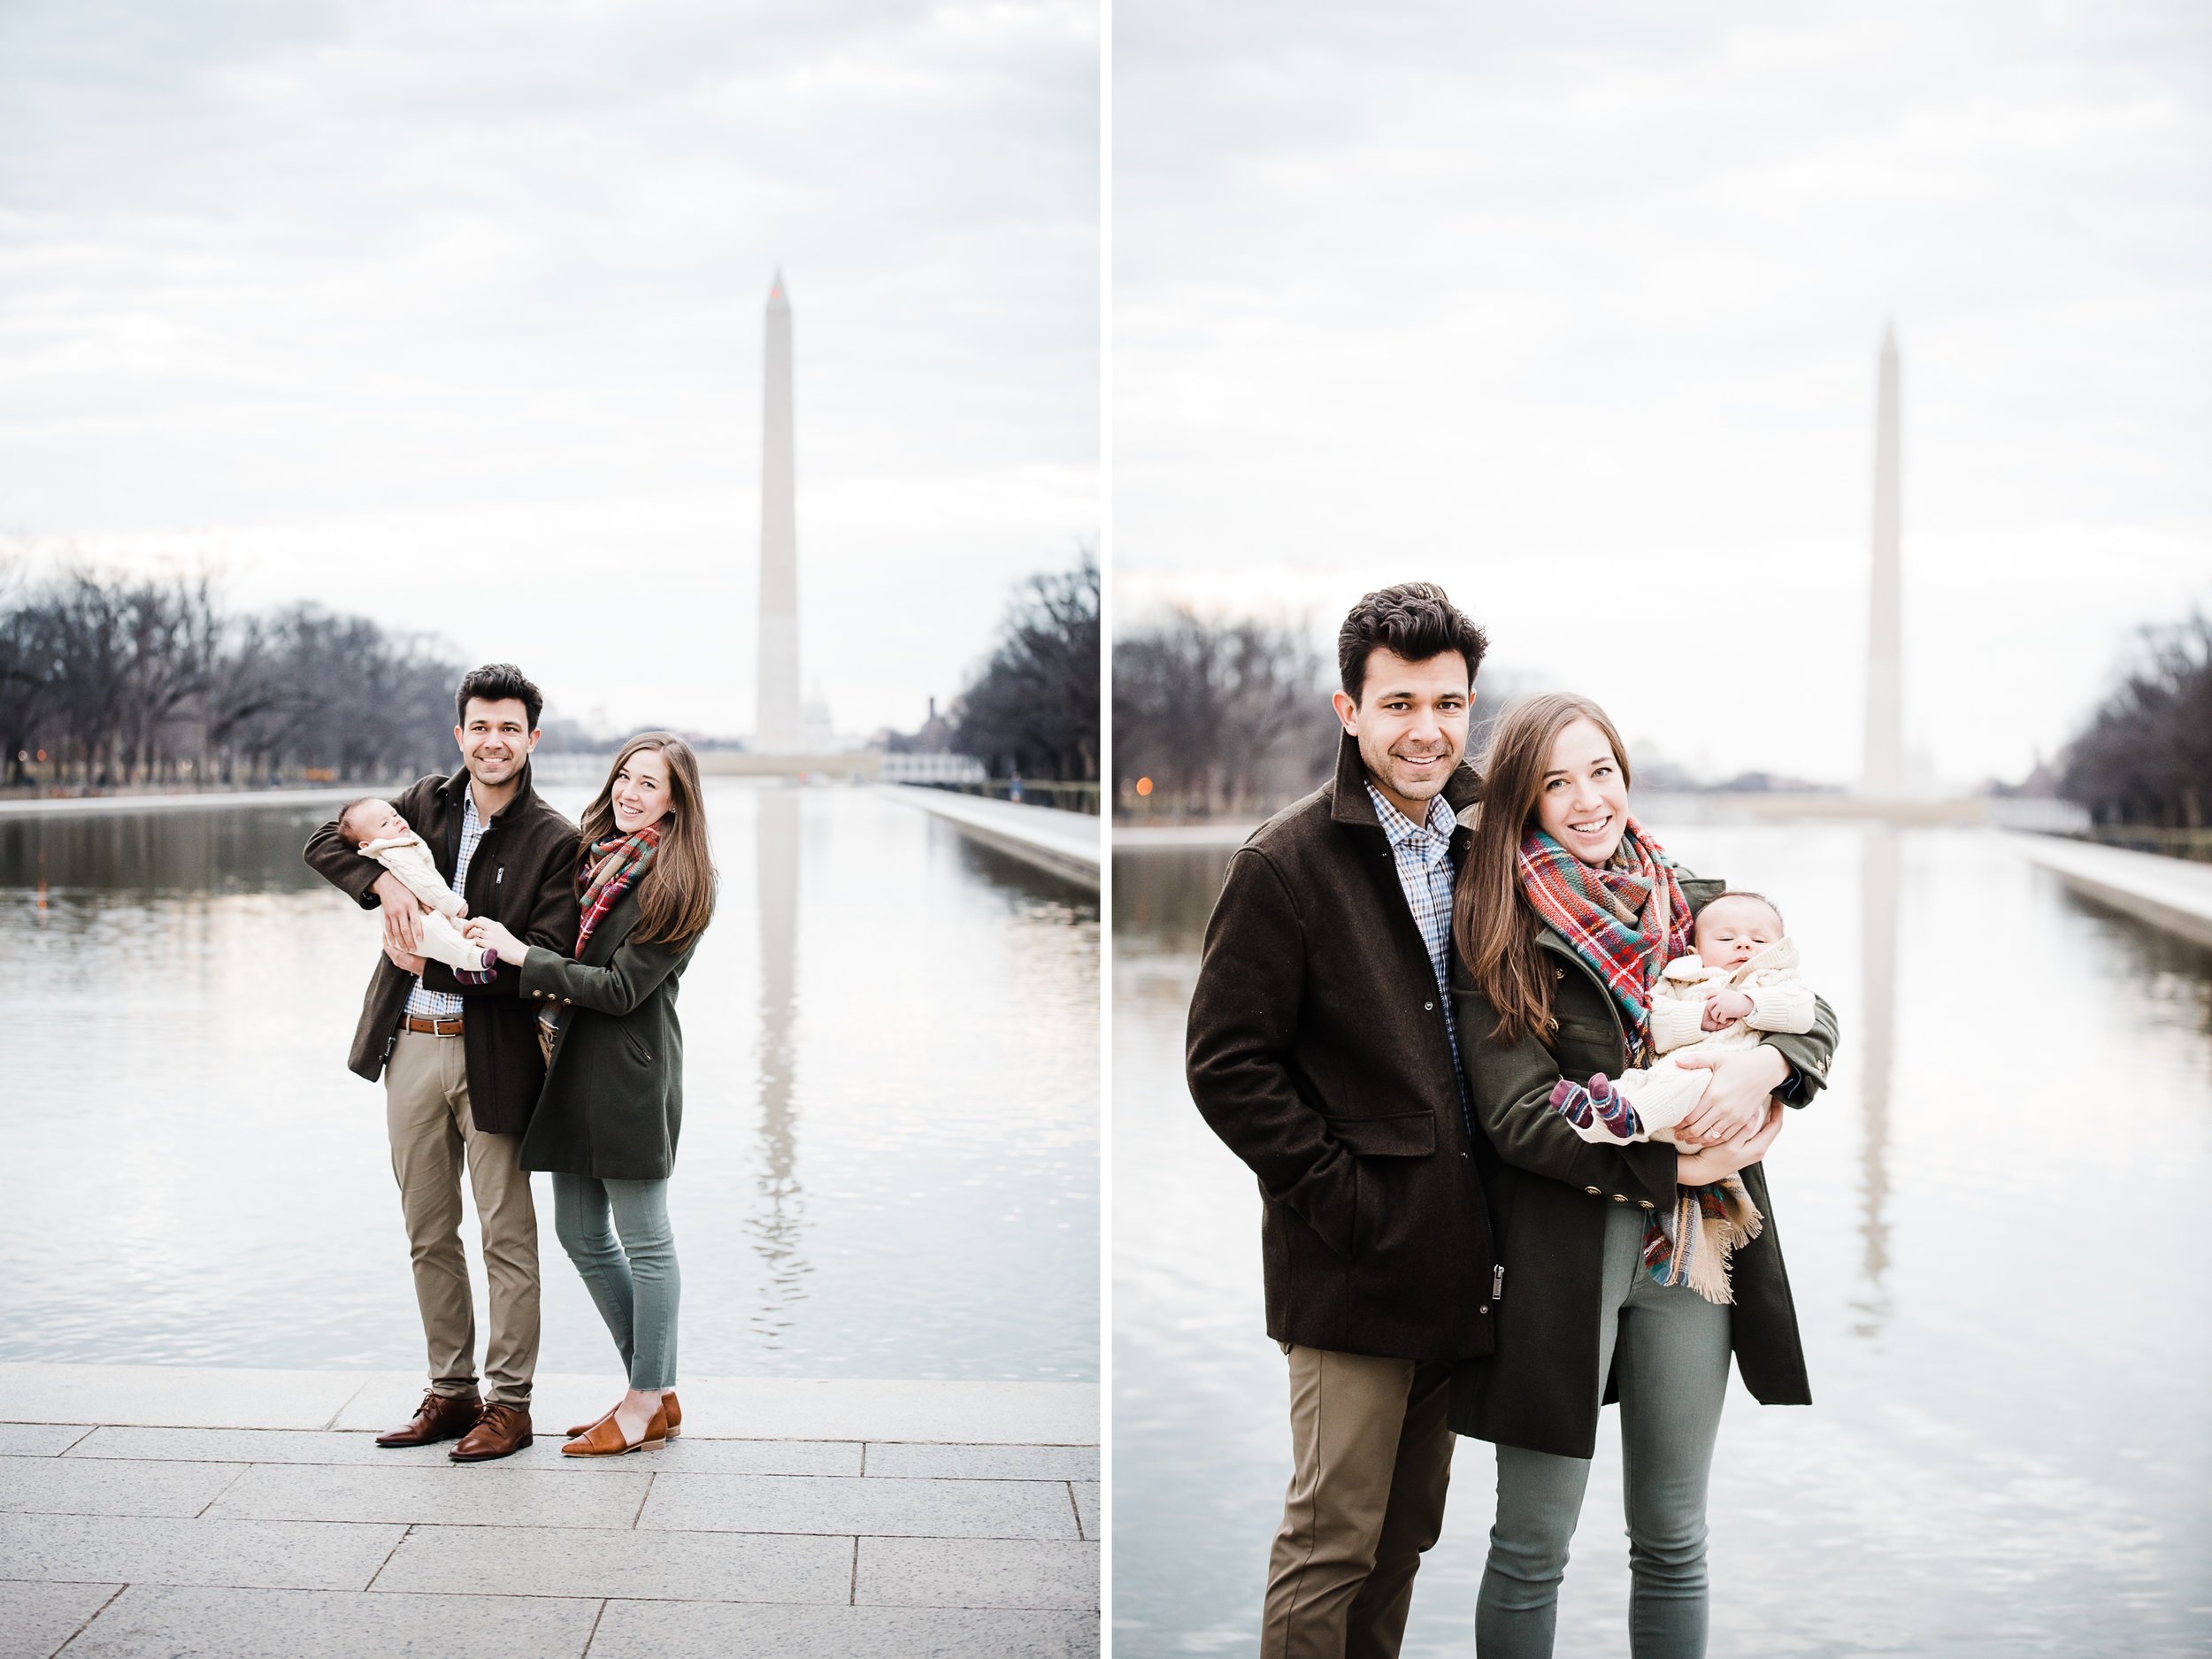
{"points": [[1575, 309], [451, 314]]}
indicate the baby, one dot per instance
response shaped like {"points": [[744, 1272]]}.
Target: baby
{"points": [[375, 830], [1741, 981]]}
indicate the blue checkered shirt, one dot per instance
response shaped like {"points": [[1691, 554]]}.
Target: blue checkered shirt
{"points": [[422, 1002], [1424, 871]]}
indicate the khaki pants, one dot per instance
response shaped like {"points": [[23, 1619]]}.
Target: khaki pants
{"points": [[426, 1112], [1372, 1455]]}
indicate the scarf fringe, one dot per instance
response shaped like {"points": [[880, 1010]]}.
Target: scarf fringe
{"points": [[1696, 1243]]}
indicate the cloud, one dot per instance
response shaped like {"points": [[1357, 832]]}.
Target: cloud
{"points": [[1578, 308], [346, 297]]}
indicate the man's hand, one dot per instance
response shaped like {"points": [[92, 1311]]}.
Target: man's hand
{"points": [[1726, 1008], [1736, 1098], [402, 919], [407, 960], [1732, 1157]]}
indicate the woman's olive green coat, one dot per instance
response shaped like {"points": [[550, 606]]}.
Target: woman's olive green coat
{"points": [[1549, 1193], [614, 1090]]}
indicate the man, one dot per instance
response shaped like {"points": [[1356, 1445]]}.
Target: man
{"points": [[1321, 1050], [458, 1055]]}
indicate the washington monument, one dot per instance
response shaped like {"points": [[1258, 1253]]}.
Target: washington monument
{"points": [[776, 726], [1882, 774]]}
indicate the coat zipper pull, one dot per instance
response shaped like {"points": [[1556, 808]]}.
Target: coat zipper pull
{"points": [[499, 875], [1497, 1282]]}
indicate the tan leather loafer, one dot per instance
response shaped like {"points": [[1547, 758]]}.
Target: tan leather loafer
{"points": [[439, 1417], [668, 1404], [501, 1432], [604, 1437]]}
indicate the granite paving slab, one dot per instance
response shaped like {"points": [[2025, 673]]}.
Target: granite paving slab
{"points": [[912, 1459], [872, 1507], [37, 1618], [741, 1407], [456, 1495], [38, 1439], [358, 1448], [169, 1622], [976, 1572], [655, 1565], [781, 1408], [249, 1554], [174, 1396], [1085, 1493], [690, 1629], [58, 1485]]}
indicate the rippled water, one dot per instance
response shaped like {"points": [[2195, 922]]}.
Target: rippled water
{"points": [[1995, 1235], [889, 1164]]}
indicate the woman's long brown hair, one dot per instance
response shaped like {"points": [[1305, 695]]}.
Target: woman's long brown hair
{"points": [[676, 899], [1492, 919]]}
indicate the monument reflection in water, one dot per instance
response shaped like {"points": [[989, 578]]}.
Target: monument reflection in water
{"points": [[1990, 1223], [890, 1158]]}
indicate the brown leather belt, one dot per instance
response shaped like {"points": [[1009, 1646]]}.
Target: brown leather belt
{"points": [[448, 1026]]}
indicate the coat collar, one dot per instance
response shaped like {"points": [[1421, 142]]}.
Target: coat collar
{"points": [[1349, 803], [456, 787]]}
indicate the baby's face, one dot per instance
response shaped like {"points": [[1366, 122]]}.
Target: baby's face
{"points": [[375, 821], [1731, 932]]}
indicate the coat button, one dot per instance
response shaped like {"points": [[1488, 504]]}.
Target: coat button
{"points": [[1428, 1008], [1643, 1203], [1484, 1309], [1620, 1198], [1595, 1192]]}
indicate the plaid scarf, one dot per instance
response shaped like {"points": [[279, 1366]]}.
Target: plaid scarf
{"points": [[1627, 919], [612, 870], [614, 867]]}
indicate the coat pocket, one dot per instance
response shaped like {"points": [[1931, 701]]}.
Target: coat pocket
{"points": [[639, 1051], [1406, 1135]]}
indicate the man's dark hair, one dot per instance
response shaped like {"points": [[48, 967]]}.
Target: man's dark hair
{"points": [[496, 682], [1415, 621]]}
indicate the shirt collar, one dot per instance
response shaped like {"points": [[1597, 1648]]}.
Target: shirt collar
{"points": [[1428, 838]]}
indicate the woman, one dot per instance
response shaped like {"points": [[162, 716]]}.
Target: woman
{"points": [[607, 1122], [1564, 913]]}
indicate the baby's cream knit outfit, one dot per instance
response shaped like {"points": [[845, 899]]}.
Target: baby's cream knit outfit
{"points": [[1665, 1091], [407, 857]]}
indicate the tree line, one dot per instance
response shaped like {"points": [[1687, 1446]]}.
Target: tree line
{"points": [[1033, 708], [1220, 716], [110, 680], [2146, 756]]}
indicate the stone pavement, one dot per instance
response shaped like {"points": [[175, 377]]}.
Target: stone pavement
{"points": [[234, 1515]]}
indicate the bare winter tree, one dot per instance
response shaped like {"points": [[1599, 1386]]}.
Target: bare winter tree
{"points": [[1035, 707], [2147, 756], [137, 680], [1223, 716]]}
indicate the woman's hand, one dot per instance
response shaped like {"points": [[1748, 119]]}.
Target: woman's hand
{"points": [[1736, 1098], [1717, 1163], [494, 937]]}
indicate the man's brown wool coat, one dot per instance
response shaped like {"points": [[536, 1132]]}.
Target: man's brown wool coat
{"points": [[1317, 1050]]}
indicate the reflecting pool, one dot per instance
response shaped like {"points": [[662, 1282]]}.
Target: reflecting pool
{"points": [[889, 1164]]}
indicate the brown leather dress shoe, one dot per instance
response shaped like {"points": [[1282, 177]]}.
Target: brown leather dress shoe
{"points": [[501, 1432], [668, 1404], [439, 1417], [604, 1437]]}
